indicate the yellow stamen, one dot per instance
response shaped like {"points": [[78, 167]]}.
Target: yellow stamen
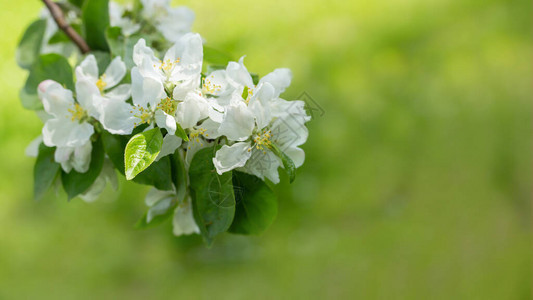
{"points": [[101, 84], [78, 113]]}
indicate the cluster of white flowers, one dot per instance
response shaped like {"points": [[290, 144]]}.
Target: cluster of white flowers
{"points": [[225, 107]]}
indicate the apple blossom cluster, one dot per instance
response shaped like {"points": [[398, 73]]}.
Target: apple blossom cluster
{"points": [[148, 102]]}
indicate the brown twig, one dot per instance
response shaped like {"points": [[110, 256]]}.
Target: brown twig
{"points": [[57, 14]]}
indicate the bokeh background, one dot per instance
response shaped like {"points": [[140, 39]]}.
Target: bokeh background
{"points": [[417, 182]]}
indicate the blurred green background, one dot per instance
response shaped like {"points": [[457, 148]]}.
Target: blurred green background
{"points": [[417, 182]]}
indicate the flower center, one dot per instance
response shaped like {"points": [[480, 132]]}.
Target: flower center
{"points": [[144, 114], [78, 113], [168, 105], [101, 84], [209, 87], [194, 135], [167, 65], [263, 140]]}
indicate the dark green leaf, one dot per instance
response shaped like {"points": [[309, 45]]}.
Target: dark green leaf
{"points": [[49, 66], [256, 204], [95, 18], [30, 44], [288, 164], [141, 151], [212, 195], [216, 57], [255, 78], [78, 3], [45, 171], [76, 183], [179, 174]]}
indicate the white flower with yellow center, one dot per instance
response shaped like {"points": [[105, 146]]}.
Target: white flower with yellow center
{"points": [[161, 87], [68, 125], [117, 19]]}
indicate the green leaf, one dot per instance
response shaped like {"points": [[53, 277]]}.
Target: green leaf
{"points": [[95, 18], [288, 164], [255, 78], [120, 45], [179, 174], [76, 183], [160, 212], [216, 57], [61, 37], [30, 44], [141, 151], [181, 133], [257, 206], [78, 3], [158, 174], [212, 195], [49, 66], [45, 171]]}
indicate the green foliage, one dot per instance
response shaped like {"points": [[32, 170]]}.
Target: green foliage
{"points": [[102, 60], [212, 195], [30, 44], [61, 37], [158, 174], [216, 57], [45, 171], [141, 151], [75, 183], [48, 66], [95, 18], [179, 174], [180, 132], [120, 45], [288, 164], [257, 205]]}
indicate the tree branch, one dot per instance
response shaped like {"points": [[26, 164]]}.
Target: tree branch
{"points": [[57, 14]]}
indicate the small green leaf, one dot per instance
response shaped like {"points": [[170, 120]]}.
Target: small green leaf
{"points": [[78, 3], [76, 183], [255, 78], [257, 206], [45, 171], [245, 93], [160, 212], [212, 195], [141, 151], [288, 164], [181, 133], [49, 66], [158, 174], [216, 57], [95, 18], [30, 44]]}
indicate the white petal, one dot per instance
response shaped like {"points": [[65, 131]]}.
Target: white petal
{"points": [[170, 144], [189, 50], [120, 93], [159, 208], [56, 99], [217, 84], [146, 90], [63, 133], [155, 195], [85, 91], [260, 104], [237, 74], [210, 129], [264, 164], [117, 116], [81, 157], [279, 78], [142, 52], [63, 154], [238, 122], [164, 120], [193, 146], [32, 150], [193, 109], [178, 22], [183, 221], [114, 72], [88, 67], [296, 154], [230, 157]]}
